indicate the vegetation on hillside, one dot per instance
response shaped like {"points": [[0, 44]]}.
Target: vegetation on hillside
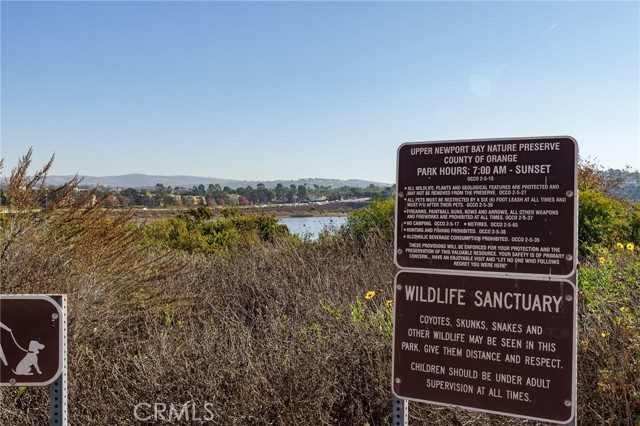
{"points": [[266, 328]]}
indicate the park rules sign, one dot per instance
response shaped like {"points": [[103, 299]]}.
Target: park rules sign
{"points": [[490, 206]]}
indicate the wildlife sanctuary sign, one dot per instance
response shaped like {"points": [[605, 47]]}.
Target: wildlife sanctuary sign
{"points": [[498, 345], [31, 340], [492, 206]]}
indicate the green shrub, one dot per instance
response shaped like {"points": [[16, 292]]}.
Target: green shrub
{"points": [[634, 224], [602, 220], [196, 231], [377, 219]]}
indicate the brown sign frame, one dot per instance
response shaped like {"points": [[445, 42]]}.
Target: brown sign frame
{"points": [[32, 340], [453, 229], [428, 320]]}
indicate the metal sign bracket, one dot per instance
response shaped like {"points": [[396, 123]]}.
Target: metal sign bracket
{"points": [[58, 389]]}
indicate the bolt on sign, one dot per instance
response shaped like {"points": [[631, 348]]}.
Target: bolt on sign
{"points": [[498, 345], [31, 340], [501, 206]]}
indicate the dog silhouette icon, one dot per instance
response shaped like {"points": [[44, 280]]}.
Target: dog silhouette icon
{"points": [[30, 360]]}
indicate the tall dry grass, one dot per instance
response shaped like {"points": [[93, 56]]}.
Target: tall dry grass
{"points": [[278, 333]]}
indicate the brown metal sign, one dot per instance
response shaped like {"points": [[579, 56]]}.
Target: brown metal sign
{"points": [[495, 206], [498, 345], [31, 346]]}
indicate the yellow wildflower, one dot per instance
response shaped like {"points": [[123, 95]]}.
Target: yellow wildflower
{"points": [[624, 309], [601, 260], [389, 303], [584, 345], [603, 334], [630, 246], [620, 246], [370, 295]]}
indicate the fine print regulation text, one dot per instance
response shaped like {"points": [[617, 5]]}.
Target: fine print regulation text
{"points": [[487, 207]]}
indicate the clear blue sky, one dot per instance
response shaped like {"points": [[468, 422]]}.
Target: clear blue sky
{"points": [[280, 90]]}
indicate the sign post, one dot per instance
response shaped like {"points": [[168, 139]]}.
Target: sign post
{"points": [[58, 388], [485, 301]]}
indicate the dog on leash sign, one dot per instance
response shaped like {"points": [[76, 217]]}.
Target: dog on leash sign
{"points": [[31, 340]]}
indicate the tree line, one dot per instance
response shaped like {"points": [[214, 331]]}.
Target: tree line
{"points": [[215, 195]]}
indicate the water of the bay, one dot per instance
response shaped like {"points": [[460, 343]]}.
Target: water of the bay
{"points": [[311, 227]]}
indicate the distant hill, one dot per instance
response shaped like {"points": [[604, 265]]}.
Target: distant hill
{"points": [[150, 181]]}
